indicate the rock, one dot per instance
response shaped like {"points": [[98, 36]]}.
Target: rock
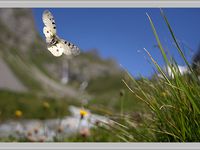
{"points": [[48, 130]]}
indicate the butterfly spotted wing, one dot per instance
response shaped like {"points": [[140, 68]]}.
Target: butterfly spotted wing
{"points": [[56, 45], [64, 47], [57, 49], [70, 48], [49, 29]]}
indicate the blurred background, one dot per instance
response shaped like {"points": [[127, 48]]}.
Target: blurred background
{"points": [[35, 85]]}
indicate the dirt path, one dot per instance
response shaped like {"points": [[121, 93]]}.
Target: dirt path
{"points": [[53, 86], [8, 80]]}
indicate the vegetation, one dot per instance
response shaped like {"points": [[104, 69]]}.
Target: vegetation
{"points": [[172, 104], [31, 106], [163, 109]]}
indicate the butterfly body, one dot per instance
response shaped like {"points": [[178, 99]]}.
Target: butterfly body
{"points": [[56, 45], [53, 41]]}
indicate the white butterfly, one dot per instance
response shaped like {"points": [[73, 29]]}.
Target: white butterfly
{"points": [[56, 45]]}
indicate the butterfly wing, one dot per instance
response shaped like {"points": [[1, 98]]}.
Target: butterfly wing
{"points": [[70, 48], [61, 46], [49, 22], [57, 49], [48, 34]]}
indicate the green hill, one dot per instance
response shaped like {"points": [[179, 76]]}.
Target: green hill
{"points": [[43, 76]]}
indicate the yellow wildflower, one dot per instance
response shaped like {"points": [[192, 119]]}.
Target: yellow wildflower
{"points": [[18, 113], [164, 94], [46, 105], [83, 113]]}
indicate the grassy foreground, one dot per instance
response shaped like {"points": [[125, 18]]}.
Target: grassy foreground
{"points": [[163, 109], [172, 104]]}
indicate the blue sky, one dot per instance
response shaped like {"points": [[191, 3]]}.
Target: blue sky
{"points": [[122, 33]]}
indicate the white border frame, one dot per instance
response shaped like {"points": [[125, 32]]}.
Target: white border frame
{"points": [[99, 4], [100, 146]]}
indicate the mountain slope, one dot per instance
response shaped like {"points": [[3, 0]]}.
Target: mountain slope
{"points": [[25, 53], [8, 80]]}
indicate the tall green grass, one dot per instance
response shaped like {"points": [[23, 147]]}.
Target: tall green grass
{"points": [[174, 103]]}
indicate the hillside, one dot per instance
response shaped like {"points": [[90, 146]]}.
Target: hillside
{"points": [[27, 66]]}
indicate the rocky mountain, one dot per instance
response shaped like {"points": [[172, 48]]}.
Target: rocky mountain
{"points": [[27, 66], [18, 28]]}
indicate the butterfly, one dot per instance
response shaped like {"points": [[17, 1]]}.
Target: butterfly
{"points": [[56, 45]]}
